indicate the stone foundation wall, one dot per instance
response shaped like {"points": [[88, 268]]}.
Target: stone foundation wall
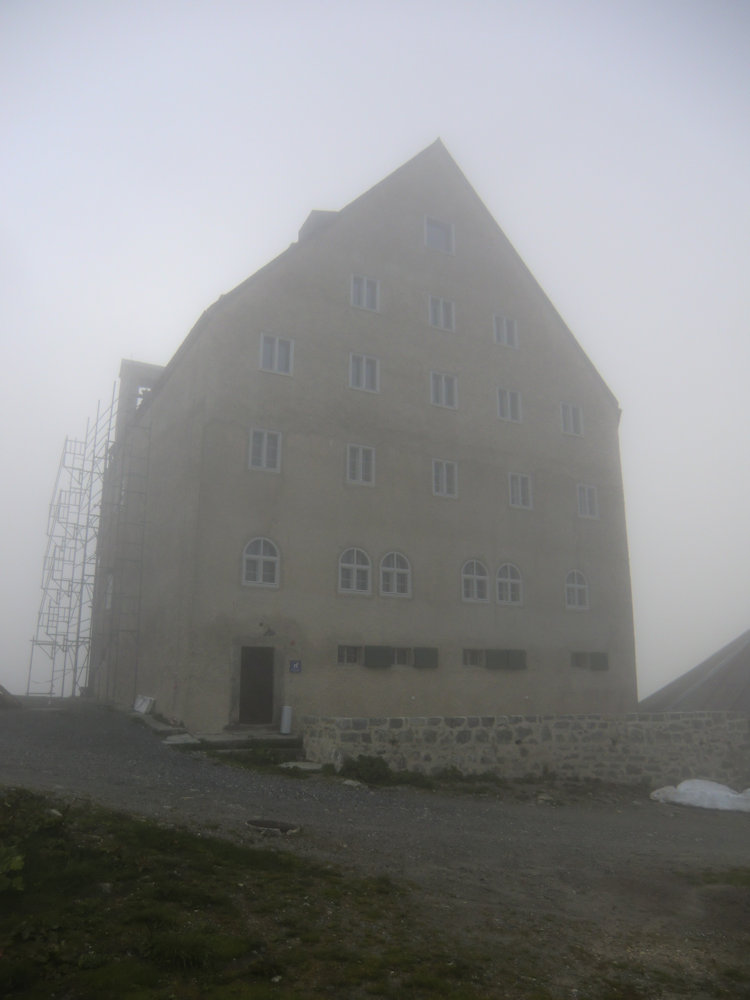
{"points": [[633, 749]]}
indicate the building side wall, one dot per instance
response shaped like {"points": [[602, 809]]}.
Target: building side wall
{"points": [[312, 515]]}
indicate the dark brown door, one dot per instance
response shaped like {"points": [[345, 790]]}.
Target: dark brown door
{"points": [[256, 685]]}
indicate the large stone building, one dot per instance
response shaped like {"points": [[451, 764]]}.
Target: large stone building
{"points": [[380, 477]]}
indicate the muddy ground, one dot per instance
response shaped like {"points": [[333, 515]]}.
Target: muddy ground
{"points": [[579, 875]]}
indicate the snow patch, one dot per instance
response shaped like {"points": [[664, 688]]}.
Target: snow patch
{"points": [[704, 794]]}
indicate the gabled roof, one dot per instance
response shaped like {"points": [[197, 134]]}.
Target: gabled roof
{"points": [[721, 683], [434, 160]]}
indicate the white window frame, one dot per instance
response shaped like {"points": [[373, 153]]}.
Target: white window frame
{"points": [[442, 387], [471, 657], [265, 557], [364, 373], [572, 419], [520, 493], [446, 233], [365, 293], [509, 405], [441, 313], [395, 575], [506, 330], [475, 582], [264, 438], [576, 591], [348, 654], [588, 501], [444, 478], [355, 572], [509, 585], [271, 357], [403, 656], [360, 464]]}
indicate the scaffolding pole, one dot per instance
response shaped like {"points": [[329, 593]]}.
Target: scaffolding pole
{"points": [[59, 659]]}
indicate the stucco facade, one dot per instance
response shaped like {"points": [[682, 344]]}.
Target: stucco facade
{"points": [[394, 388]]}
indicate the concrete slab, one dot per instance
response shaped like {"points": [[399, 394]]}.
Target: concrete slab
{"points": [[181, 739]]}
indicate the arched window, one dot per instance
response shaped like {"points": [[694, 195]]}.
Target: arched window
{"points": [[260, 563], [509, 589], [354, 572], [395, 575], [576, 590], [474, 581]]}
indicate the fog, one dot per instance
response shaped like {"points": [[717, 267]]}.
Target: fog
{"points": [[157, 153]]}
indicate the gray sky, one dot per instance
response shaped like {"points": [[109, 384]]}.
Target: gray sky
{"points": [[157, 153]]}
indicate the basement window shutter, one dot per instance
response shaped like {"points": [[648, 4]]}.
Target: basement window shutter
{"points": [[516, 659], [425, 656], [496, 659], [378, 656], [599, 661]]}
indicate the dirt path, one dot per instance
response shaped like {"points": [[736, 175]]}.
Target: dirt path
{"points": [[616, 873]]}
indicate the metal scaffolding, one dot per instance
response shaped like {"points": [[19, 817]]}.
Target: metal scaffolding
{"points": [[59, 660]]}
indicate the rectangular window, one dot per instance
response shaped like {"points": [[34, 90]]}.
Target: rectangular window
{"points": [[364, 373], [588, 504], [506, 331], [276, 354], [349, 654], [572, 419], [443, 390], [365, 293], [509, 405], [265, 450], [444, 478], [438, 235], [402, 656], [505, 659], [520, 490], [442, 314], [473, 657], [590, 661], [360, 464]]}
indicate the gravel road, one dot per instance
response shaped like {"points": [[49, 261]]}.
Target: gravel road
{"points": [[615, 860]]}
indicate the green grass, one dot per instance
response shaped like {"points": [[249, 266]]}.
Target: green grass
{"points": [[95, 903], [103, 904]]}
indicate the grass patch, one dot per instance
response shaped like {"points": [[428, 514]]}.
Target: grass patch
{"points": [[102, 904], [99, 904], [737, 877]]}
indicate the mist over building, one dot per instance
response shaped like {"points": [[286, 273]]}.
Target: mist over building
{"points": [[379, 478]]}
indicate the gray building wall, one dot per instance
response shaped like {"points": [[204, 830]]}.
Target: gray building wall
{"points": [[204, 502]]}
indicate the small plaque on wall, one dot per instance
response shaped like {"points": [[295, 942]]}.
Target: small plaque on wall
{"points": [[295, 666]]}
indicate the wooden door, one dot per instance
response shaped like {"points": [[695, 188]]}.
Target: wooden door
{"points": [[256, 685]]}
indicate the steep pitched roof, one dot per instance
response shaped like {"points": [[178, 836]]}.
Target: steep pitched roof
{"points": [[433, 160], [720, 683]]}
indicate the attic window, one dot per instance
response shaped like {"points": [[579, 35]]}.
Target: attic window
{"points": [[365, 292], [438, 235]]}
